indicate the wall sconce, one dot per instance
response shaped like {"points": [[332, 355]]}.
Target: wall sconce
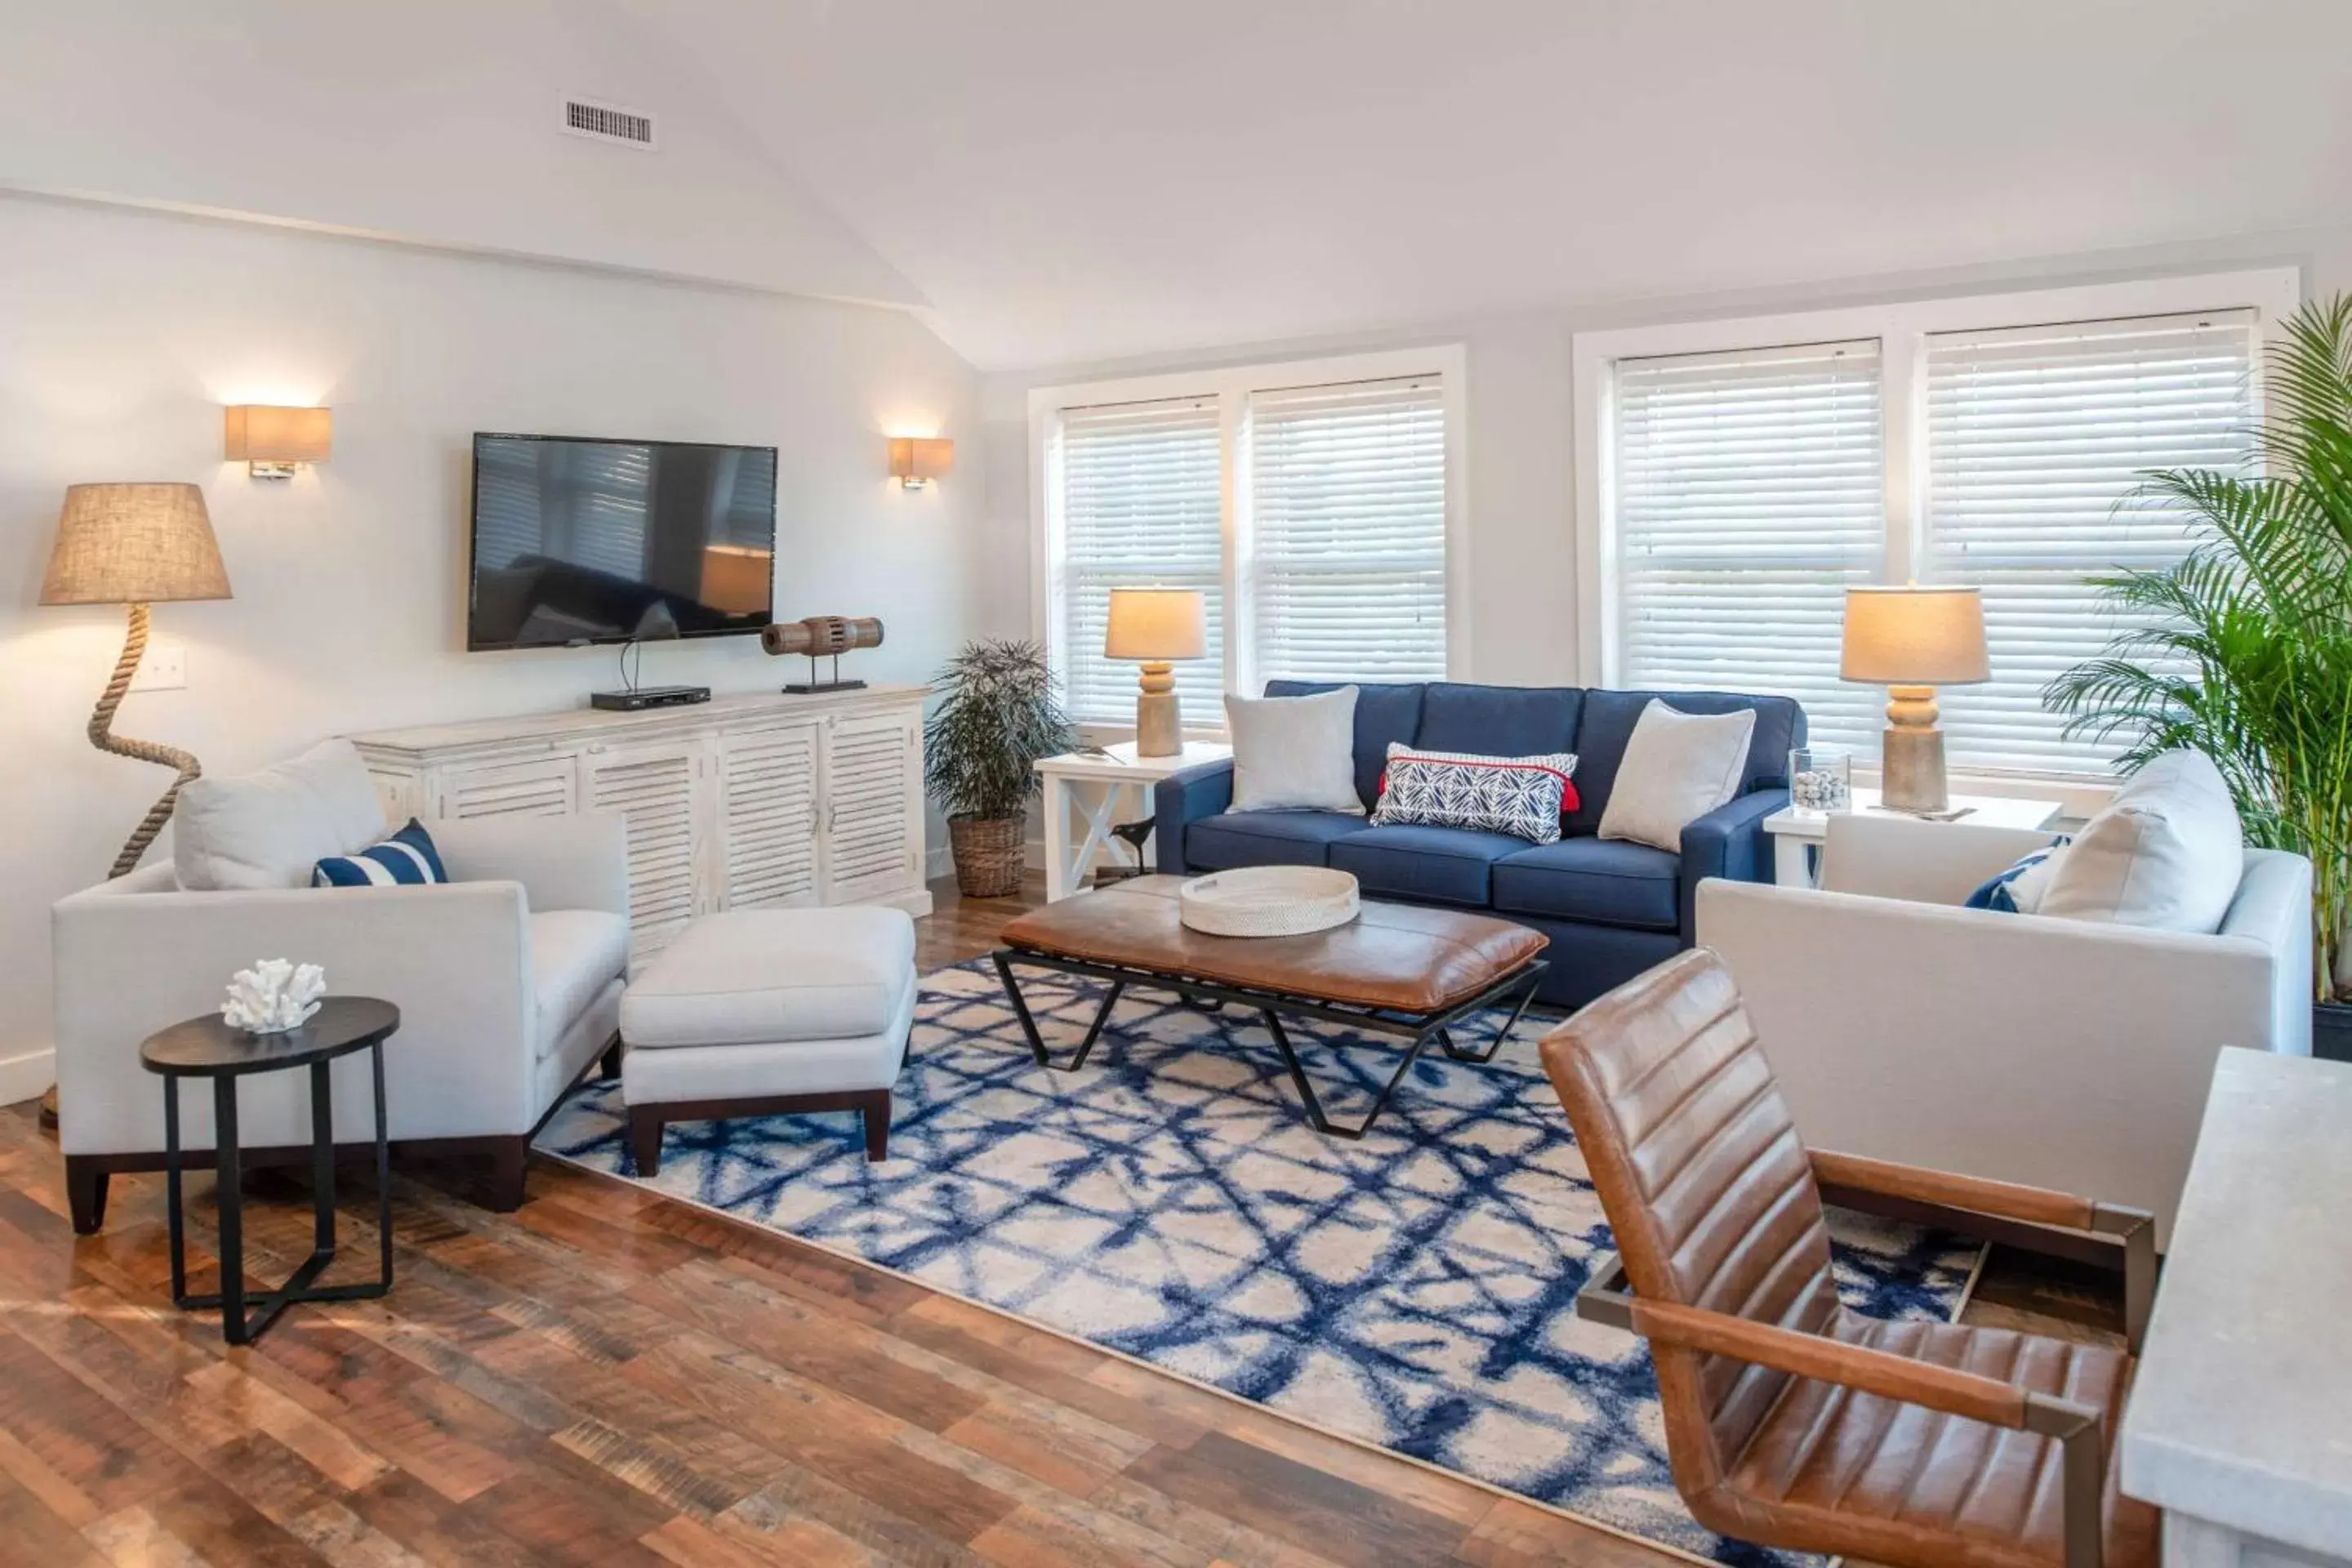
{"points": [[269, 442], [915, 461]]}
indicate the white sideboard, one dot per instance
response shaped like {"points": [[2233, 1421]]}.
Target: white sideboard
{"points": [[738, 803]]}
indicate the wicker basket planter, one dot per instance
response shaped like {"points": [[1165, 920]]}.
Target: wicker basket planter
{"points": [[988, 854]]}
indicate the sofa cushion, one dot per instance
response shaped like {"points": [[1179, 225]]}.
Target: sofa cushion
{"points": [[1267, 838], [1608, 724], [575, 954], [1498, 721], [1442, 865], [1294, 753], [1383, 713], [1607, 881], [1677, 768], [268, 829], [2166, 853], [1522, 797], [755, 976]]}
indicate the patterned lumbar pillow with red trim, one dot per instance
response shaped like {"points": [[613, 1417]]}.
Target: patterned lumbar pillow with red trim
{"points": [[1523, 796]]}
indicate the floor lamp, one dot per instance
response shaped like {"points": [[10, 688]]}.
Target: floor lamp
{"points": [[135, 545]]}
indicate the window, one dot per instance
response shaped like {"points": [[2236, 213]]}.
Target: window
{"points": [[1750, 498], [1142, 500], [1738, 476], [1310, 502], [2036, 440], [1348, 506]]}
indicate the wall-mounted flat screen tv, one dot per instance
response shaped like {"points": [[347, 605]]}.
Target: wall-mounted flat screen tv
{"points": [[578, 541]]}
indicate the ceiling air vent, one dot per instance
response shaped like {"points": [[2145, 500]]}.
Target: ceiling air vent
{"points": [[608, 122]]}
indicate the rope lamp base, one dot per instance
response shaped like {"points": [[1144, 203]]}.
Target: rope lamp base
{"points": [[102, 736]]}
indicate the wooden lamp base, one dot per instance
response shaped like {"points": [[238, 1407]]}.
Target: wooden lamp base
{"points": [[1159, 718], [1911, 776]]}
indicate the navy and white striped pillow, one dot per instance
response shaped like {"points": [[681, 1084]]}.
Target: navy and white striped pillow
{"points": [[2019, 889], [408, 858]]}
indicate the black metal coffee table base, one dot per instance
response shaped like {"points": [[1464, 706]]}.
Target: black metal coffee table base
{"points": [[1518, 988]]}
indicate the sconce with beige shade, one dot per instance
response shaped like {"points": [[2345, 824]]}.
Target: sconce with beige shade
{"points": [[135, 544], [271, 441], [1912, 640], [1155, 627], [916, 461]]}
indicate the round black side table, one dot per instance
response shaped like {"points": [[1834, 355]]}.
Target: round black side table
{"points": [[207, 1047]]}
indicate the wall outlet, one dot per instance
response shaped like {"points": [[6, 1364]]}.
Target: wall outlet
{"points": [[164, 668]]}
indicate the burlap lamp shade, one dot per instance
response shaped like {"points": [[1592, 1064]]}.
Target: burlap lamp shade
{"points": [[134, 544]]}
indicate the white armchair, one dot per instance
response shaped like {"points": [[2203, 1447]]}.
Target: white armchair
{"points": [[509, 981], [2059, 1053]]}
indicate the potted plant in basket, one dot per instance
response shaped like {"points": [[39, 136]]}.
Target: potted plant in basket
{"points": [[2243, 651], [997, 715]]}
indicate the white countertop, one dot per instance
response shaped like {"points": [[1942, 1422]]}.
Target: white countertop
{"points": [[2242, 1413]]}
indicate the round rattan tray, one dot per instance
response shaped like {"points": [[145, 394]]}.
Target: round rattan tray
{"points": [[1269, 900]]}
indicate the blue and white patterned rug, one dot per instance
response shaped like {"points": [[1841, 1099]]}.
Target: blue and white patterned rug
{"points": [[1414, 1290]]}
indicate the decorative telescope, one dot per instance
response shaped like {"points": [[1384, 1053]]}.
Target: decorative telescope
{"points": [[823, 636]]}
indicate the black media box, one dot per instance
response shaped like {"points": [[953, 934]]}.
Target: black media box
{"points": [[645, 697]]}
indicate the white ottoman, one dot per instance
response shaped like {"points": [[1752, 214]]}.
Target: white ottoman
{"points": [[764, 1012]]}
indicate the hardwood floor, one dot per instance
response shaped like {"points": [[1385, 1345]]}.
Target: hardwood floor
{"points": [[610, 1377]]}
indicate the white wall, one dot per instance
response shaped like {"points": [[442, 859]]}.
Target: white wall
{"points": [[1522, 494], [123, 333], [435, 121]]}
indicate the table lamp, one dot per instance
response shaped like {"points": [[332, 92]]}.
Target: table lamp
{"points": [[1912, 640], [1154, 627], [134, 544]]}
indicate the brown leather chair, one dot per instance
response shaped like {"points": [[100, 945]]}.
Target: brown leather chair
{"points": [[1790, 1421]]}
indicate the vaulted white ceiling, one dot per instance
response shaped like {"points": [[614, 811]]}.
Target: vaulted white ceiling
{"points": [[1074, 179], [1070, 180]]}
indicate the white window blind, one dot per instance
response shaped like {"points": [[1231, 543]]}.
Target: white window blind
{"points": [[2036, 441], [1346, 575], [1142, 506], [1749, 495]]}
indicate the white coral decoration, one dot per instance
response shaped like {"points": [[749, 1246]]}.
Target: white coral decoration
{"points": [[273, 996]]}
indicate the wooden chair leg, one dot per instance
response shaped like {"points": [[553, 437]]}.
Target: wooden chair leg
{"points": [[876, 1112], [86, 1183], [644, 1138]]}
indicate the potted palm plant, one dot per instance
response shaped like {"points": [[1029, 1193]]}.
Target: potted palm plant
{"points": [[2243, 651], [997, 715]]}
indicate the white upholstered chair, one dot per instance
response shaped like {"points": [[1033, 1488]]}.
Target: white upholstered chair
{"points": [[2060, 1053], [508, 980]]}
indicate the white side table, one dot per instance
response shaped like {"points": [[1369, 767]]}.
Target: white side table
{"points": [[1096, 785], [1793, 833]]}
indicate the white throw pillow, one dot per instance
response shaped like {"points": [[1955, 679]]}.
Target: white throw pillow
{"points": [[1677, 768], [2166, 854], [1295, 753], [267, 829]]}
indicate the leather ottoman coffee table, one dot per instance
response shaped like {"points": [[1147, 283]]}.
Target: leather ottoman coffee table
{"points": [[1397, 970]]}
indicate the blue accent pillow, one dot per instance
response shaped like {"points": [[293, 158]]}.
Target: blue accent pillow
{"points": [[2019, 889], [408, 858]]}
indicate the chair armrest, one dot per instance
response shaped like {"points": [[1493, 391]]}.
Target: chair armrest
{"points": [[1949, 1197], [1184, 797], [1971, 1395], [1728, 841], [576, 862], [456, 960]]}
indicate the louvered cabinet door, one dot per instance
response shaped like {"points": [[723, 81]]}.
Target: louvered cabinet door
{"points": [[767, 817], [873, 807], [658, 789], [544, 787]]}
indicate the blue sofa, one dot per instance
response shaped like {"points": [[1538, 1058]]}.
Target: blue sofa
{"points": [[1611, 908]]}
